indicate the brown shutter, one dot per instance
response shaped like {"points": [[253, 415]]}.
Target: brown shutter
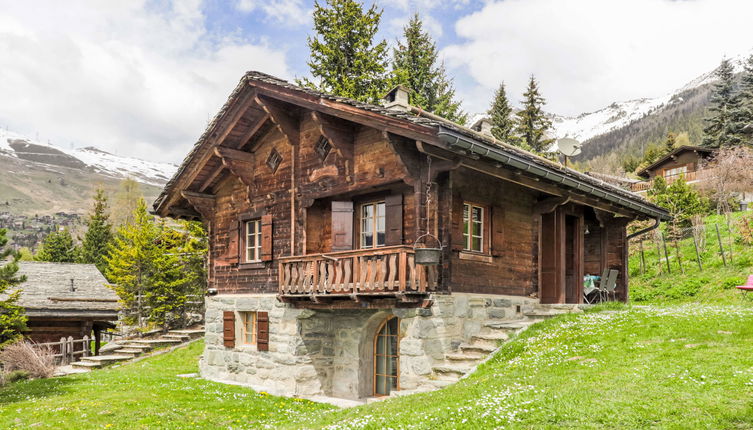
{"points": [[235, 233], [458, 243], [266, 237], [497, 231], [262, 331], [393, 205], [228, 329], [342, 226]]}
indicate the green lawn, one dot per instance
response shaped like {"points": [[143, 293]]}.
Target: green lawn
{"points": [[686, 366]]}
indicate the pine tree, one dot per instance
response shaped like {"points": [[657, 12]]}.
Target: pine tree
{"points": [[722, 127], [12, 316], [414, 62], [532, 123], [58, 247], [99, 233], [149, 270], [745, 112], [345, 60], [500, 114]]}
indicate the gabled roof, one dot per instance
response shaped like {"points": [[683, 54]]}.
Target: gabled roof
{"points": [[47, 290], [703, 151], [435, 130]]}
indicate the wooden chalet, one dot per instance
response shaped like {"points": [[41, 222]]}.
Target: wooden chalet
{"points": [[315, 205], [685, 161], [66, 299]]}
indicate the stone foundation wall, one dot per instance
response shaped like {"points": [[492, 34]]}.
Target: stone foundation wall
{"points": [[329, 352]]}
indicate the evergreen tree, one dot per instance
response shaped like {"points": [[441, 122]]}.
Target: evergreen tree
{"points": [[151, 272], [414, 62], [99, 233], [12, 316], [680, 199], [722, 127], [345, 60], [500, 114], [532, 123], [745, 111], [58, 247]]}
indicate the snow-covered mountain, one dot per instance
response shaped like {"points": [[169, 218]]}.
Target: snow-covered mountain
{"points": [[88, 158], [620, 114]]}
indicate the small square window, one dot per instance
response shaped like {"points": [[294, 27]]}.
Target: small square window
{"points": [[323, 147], [473, 227], [274, 160]]}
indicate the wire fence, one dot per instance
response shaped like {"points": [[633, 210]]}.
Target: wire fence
{"points": [[673, 249]]}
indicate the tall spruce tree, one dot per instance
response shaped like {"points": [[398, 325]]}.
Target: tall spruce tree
{"points": [[723, 127], [58, 247], [532, 123], [500, 114], [345, 59], [745, 112], [146, 266], [415, 65], [12, 316], [98, 234]]}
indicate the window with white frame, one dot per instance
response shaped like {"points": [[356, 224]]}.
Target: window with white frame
{"points": [[253, 240], [675, 171], [372, 224], [473, 227]]}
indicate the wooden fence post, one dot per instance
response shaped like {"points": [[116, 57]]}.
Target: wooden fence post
{"points": [[697, 255], [721, 248], [658, 254], [643, 258], [63, 351], [666, 254], [679, 258], [87, 346]]}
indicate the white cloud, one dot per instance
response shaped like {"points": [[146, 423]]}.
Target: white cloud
{"points": [[126, 77], [589, 53], [284, 11]]}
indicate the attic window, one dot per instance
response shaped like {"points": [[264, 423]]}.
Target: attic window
{"points": [[323, 147], [274, 160]]}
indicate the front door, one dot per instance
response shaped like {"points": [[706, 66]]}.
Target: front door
{"points": [[560, 258]]}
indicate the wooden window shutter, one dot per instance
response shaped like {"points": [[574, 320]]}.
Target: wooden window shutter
{"points": [[393, 205], [458, 243], [342, 226], [266, 237], [228, 329], [497, 231], [262, 331], [235, 236]]}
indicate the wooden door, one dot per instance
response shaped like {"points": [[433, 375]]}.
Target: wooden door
{"points": [[574, 257], [551, 258], [342, 226]]}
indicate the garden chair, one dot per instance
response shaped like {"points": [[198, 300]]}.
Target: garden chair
{"points": [[602, 284], [610, 287], [589, 288], [747, 287]]}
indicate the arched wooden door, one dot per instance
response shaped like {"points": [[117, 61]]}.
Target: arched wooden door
{"points": [[386, 358]]}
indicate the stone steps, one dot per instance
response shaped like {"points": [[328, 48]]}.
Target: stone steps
{"points": [[86, 365], [180, 337], [474, 357], [156, 342], [451, 369], [193, 333], [129, 351], [484, 349]]}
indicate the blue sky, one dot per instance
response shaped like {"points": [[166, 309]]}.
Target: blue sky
{"points": [[143, 77]]}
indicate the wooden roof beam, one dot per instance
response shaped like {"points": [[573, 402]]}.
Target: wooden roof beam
{"points": [[280, 115], [204, 204], [234, 154]]}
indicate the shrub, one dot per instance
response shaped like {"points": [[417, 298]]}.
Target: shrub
{"points": [[16, 375], [38, 361]]}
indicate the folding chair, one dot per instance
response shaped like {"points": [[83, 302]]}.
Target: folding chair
{"points": [[611, 285]]}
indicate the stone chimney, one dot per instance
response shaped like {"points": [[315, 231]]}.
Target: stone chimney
{"points": [[483, 126], [397, 99]]}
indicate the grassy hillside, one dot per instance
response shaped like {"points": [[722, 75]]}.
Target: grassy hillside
{"points": [[37, 189], [684, 281], [684, 366]]}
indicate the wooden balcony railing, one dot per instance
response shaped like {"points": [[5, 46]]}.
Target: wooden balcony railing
{"points": [[388, 271], [689, 177]]}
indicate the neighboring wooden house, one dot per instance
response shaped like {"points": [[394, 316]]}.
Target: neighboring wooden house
{"points": [[66, 299], [313, 204], [685, 161]]}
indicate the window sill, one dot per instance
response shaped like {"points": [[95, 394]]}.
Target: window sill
{"points": [[246, 348], [476, 256], [253, 265]]}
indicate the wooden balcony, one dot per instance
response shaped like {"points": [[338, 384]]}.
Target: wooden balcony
{"points": [[364, 278], [690, 177]]}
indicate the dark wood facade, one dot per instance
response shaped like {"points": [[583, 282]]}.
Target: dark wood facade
{"points": [[301, 170]]}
